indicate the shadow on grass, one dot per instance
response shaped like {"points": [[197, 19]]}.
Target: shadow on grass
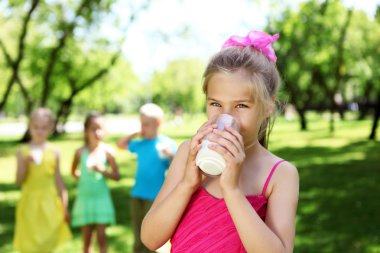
{"points": [[339, 193], [8, 148], [7, 216]]}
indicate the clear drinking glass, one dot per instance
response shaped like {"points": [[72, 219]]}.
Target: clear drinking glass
{"points": [[209, 161]]}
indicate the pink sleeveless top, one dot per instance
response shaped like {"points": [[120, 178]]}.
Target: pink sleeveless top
{"points": [[206, 225]]}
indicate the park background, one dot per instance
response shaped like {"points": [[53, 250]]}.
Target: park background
{"points": [[112, 56]]}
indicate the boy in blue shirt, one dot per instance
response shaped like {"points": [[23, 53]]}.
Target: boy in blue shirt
{"points": [[154, 153]]}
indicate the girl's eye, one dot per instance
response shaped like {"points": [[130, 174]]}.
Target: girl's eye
{"points": [[241, 106], [215, 104]]}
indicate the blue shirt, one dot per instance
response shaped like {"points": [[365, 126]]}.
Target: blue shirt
{"points": [[151, 165]]}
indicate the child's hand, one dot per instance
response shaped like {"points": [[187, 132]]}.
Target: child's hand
{"points": [[232, 149], [99, 167], [193, 175], [165, 151]]}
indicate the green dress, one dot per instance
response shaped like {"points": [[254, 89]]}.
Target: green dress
{"points": [[93, 204]]}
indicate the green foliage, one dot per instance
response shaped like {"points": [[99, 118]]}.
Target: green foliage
{"points": [[120, 91], [83, 54], [179, 85]]}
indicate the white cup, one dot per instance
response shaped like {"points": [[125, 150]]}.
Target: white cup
{"points": [[209, 161], [37, 154], [161, 150]]}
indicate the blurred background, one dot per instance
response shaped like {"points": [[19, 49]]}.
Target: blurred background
{"points": [[76, 56]]}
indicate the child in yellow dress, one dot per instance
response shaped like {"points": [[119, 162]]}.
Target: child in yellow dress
{"points": [[41, 213]]}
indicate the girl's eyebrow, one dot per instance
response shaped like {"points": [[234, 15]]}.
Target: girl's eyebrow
{"points": [[245, 100]]}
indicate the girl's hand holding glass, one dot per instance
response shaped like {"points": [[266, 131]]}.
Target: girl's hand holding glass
{"points": [[193, 175], [231, 148]]}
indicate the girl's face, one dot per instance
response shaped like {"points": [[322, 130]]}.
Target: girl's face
{"points": [[149, 127], [231, 93], [40, 128], [95, 131]]}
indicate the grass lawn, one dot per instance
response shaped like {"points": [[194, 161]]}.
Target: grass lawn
{"points": [[339, 198]]}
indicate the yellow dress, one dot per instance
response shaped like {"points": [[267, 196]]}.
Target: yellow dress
{"points": [[40, 223]]}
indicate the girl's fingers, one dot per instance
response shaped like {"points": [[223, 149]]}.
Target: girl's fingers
{"points": [[229, 141], [235, 133], [197, 138]]}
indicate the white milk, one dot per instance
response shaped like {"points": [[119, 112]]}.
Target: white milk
{"points": [[37, 154], [209, 161]]}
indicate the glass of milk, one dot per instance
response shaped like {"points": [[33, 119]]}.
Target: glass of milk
{"points": [[209, 161], [37, 154]]}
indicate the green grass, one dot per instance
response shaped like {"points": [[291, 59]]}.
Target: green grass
{"points": [[339, 194]]}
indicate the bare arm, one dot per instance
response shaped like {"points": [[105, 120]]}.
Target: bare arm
{"points": [[114, 173], [182, 180], [168, 207], [61, 186], [123, 142], [22, 167], [277, 233], [74, 166]]}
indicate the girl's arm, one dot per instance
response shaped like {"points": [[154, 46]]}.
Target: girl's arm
{"points": [[74, 166], [123, 142], [278, 231], [22, 167], [61, 186], [182, 180], [114, 174], [167, 209]]}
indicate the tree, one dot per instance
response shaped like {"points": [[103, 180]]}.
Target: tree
{"points": [[313, 56], [55, 61], [179, 85]]}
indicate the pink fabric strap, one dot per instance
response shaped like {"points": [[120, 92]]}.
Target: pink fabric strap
{"points": [[270, 176]]}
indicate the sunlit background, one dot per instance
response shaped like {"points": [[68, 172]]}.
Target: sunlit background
{"points": [[111, 56]]}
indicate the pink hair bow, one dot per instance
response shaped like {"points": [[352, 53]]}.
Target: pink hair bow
{"points": [[258, 40]]}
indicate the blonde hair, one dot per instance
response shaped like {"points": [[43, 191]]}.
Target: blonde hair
{"points": [[264, 76], [152, 110], [42, 112]]}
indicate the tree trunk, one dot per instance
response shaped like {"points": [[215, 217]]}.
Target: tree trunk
{"points": [[63, 114], [54, 54], [332, 120], [15, 64], [303, 122], [376, 117], [7, 91]]}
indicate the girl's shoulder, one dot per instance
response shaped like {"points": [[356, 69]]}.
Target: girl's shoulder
{"points": [[79, 151], [281, 173], [280, 165]]}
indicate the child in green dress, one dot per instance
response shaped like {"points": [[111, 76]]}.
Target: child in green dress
{"points": [[93, 208]]}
